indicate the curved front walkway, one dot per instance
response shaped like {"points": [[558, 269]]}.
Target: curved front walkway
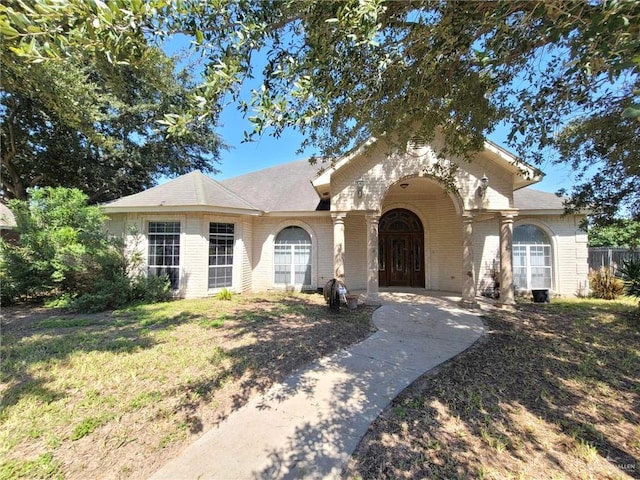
{"points": [[308, 426]]}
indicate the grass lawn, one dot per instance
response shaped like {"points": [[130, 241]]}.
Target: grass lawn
{"points": [[115, 395], [551, 392]]}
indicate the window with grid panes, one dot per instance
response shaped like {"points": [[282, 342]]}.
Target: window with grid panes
{"points": [[221, 240], [531, 258], [164, 251], [292, 257]]}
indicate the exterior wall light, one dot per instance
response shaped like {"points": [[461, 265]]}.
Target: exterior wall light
{"points": [[359, 187], [484, 184]]}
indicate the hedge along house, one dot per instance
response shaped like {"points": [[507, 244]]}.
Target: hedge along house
{"points": [[373, 219]]}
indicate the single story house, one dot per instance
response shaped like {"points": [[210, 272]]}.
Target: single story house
{"points": [[373, 219]]}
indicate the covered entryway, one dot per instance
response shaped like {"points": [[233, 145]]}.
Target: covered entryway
{"points": [[401, 249]]}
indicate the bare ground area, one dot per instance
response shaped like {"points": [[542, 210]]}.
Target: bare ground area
{"points": [[115, 395], [550, 392]]}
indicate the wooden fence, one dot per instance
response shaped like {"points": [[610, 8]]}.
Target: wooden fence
{"points": [[606, 256]]}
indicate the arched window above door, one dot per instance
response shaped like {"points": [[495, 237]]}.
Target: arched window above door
{"points": [[400, 220]]}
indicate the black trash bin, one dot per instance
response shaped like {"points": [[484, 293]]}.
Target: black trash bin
{"points": [[541, 296]]}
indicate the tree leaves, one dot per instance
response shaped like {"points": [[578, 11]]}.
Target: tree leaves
{"points": [[93, 126], [343, 71]]}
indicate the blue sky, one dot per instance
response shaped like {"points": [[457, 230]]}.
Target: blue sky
{"points": [[248, 157], [268, 151]]}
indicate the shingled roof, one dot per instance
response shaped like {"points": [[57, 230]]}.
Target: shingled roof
{"points": [[288, 187], [528, 199], [283, 188], [193, 191]]}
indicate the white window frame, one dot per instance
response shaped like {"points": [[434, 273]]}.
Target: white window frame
{"points": [[547, 254], [529, 268], [214, 267], [152, 257], [293, 256]]}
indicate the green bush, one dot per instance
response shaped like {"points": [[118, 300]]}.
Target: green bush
{"points": [[224, 294], [604, 284], [117, 292], [63, 249], [151, 289], [630, 273], [107, 294], [61, 245]]}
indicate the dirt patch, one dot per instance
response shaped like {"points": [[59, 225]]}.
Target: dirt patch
{"points": [[552, 391], [116, 395]]}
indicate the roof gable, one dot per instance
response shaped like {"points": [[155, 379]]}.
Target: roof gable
{"points": [[524, 173], [191, 191]]}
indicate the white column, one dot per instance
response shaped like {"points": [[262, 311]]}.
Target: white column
{"points": [[506, 263], [469, 279], [338, 245], [372, 257]]}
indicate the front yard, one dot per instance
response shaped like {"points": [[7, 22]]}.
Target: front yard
{"points": [[115, 395], [551, 392]]}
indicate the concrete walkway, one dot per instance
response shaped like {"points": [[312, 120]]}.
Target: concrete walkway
{"points": [[308, 426]]}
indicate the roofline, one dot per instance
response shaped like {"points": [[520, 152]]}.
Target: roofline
{"points": [[536, 174], [231, 192], [207, 178], [298, 213], [551, 211], [325, 177], [180, 209], [544, 211]]}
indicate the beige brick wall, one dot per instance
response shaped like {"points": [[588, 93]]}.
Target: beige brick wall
{"points": [[115, 224], [568, 250], [355, 265], [253, 252], [265, 230], [245, 244], [194, 247], [443, 242], [486, 248], [379, 170]]}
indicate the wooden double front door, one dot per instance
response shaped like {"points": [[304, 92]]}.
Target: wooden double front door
{"points": [[401, 250]]}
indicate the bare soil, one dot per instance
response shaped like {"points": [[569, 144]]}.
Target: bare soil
{"points": [[550, 392]]}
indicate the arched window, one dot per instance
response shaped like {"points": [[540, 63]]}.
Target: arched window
{"points": [[292, 257], [531, 258]]}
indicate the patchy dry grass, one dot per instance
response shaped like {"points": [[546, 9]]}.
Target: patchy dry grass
{"points": [[115, 395], [551, 392]]}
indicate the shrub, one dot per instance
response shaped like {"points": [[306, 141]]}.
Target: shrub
{"points": [[224, 294], [106, 295], [604, 284], [630, 273], [119, 291], [61, 245], [151, 289]]}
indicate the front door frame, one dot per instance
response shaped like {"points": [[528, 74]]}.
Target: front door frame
{"points": [[402, 265]]}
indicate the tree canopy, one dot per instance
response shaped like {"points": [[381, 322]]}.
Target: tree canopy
{"points": [[624, 233], [93, 125], [563, 73]]}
